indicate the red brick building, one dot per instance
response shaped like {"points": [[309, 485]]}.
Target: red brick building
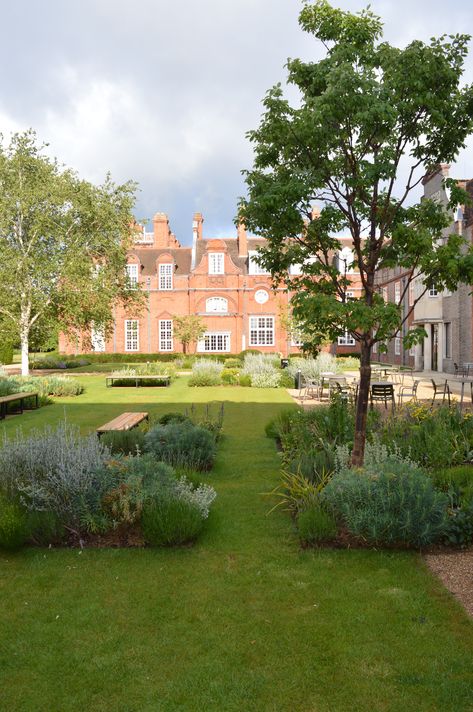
{"points": [[216, 279]]}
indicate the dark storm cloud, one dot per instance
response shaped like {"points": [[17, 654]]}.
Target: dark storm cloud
{"points": [[163, 92]]}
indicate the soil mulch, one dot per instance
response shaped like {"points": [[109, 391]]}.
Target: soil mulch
{"points": [[455, 570]]}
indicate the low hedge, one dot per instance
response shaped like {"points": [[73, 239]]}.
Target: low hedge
{"points": [[140, 358], [6, 354]]}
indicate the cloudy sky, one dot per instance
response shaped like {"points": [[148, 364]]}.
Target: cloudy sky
{"points": [[163, 92]]}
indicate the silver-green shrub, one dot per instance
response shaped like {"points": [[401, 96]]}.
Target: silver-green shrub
{"points": [[53, 470], [206, 372], [388, 502], [262, 369], [202, 496], [312, 368]]}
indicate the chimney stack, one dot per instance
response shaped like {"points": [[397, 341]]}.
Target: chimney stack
{"points": [[197, 223], [163, 237]]}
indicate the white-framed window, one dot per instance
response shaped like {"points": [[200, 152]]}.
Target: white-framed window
{"points": [[216, 304], [411, 293], [165, 335], [375, 348], [216, 263], [349, 295], [397, 345], [261, 330], [253, 266], [397, 292], [346, 260], [346, 339], [447, 337], [132, 274], [412, 351], [97, 339], [132, 335], [385, 294], [165, 275], [433, 292], [216, 341]]}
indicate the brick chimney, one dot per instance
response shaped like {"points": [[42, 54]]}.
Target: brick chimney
{"points": [[197, 224], [161, 230], [163, 237], [242, 240]]}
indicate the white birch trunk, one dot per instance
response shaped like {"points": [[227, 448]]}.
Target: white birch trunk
{"points": [[24, 338]]}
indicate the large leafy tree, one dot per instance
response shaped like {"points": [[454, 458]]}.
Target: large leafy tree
{"points": [[63, 245], [188, 329], [370, 121]]}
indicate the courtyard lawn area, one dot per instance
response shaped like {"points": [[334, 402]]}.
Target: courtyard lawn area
{"points": [[244, 620]]}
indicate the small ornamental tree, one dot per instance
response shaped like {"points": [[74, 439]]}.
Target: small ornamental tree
{"points": [[371, 120], [188, 329], [63, 246]]}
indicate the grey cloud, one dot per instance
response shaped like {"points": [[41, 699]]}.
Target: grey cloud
{"points": [[164, 92]]}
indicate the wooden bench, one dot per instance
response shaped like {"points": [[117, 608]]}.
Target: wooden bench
{"points": [[21, 397], [163, 379], [125, 421]]}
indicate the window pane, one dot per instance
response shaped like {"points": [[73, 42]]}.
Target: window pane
{"points": [[216, 304], [261, 331], [132, 272], [131, 335], [165, 335], [216, 263], [165, 276], [214, 341]]}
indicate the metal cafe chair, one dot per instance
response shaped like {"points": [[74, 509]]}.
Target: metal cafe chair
{"points": [[441, 389], [307, 388], [409, 392], [382, 392], [339, 386]]}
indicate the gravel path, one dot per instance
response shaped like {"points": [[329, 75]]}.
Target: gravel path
{"points": [[455, 570]]}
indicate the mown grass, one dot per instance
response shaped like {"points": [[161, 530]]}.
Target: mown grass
{"points": [[244, 620]]}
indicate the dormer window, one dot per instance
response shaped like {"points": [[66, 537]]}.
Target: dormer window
{"points": [[165, 275], [132, 274], [253, 266], [216, 263], [216, 305]]}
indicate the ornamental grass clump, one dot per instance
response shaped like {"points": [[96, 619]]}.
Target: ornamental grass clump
{"points": [[206, 372], [14, 525], [315, 524], [170, 521]]}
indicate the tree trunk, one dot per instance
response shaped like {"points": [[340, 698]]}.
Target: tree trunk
{"points": [[358, 453], [24, 338]]}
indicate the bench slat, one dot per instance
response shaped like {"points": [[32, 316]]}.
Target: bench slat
{"points": [[125, 421], [18, 396]]}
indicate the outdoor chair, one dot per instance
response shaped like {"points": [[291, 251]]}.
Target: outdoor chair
{"points": [[441, 389], [381, 392], [460, 370], [339, 387], [409, 392], [307, 388]]}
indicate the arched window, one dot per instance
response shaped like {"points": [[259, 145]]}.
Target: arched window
{"points": [[216, 304]]}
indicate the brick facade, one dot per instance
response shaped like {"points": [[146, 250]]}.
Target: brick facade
{"points": [[216, 279]]}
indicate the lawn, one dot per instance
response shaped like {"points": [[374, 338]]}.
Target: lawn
{"points": [[244, 620]]}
